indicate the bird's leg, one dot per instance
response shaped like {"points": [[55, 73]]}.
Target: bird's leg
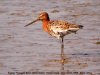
{"points": [[62, 50], [62, 46]]}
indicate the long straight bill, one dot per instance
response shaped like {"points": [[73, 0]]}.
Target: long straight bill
{"points": [[31, 22]]}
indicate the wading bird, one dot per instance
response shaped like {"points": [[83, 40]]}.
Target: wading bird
{"points": [[56, 28]]}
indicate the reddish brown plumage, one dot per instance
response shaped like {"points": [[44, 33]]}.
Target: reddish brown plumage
{"points": [[45, 26]]}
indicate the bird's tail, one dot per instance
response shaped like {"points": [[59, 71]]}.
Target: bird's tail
{"points": [[80, 26]]}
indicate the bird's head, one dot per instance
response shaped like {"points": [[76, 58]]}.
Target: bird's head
{"points": [[43, 16]]}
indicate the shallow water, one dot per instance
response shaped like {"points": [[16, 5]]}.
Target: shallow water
{"points": [[30, 49]]}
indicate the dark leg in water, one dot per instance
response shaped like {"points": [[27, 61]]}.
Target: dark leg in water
{"points": [[62, 56], [62, 50]]}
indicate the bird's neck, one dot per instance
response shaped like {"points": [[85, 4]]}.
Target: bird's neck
{"points": [[45, 25]]}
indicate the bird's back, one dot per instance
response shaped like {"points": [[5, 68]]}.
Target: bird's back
{"points": [[59, 28]]}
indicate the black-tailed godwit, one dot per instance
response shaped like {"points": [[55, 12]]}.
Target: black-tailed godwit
{"points": [[56, 28]]}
